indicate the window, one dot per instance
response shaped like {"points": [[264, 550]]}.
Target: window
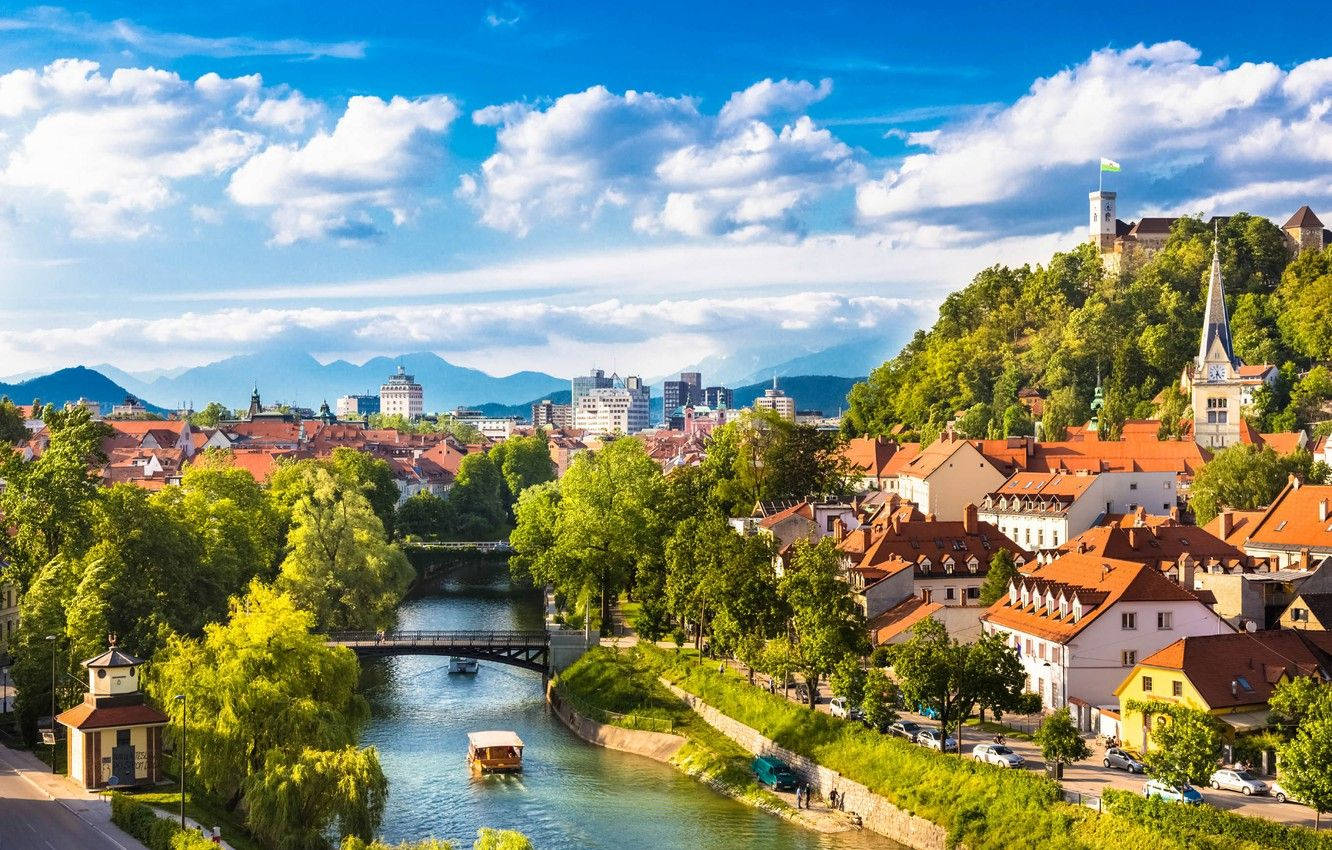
{"points": [[1128, 658], [948, 593], [1040, 537], [1040, 652], [1128, 621], [1146, 684], [1177, 689], [1243, 683], [1299, 613], [1133, 485], [1164, 621], [1029, 646]]}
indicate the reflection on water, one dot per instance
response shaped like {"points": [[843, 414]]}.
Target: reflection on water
{"points": [[570, 794]]}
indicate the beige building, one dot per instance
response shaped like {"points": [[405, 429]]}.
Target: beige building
{"points": [[9, 615], [402, 396], [947, 476], [115, 737], [777, 401]]}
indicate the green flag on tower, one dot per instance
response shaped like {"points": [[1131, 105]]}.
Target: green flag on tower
{"points": [[1109, 165]]}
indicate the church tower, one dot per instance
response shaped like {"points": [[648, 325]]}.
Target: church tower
{"points": [[1216, 381], [1102, 224]]}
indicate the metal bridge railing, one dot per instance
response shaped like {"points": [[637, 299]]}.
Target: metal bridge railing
{"points": [[431, 638]]}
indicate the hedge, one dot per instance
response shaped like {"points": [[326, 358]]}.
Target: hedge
{"points": [[1197, 823], [142, 822]]}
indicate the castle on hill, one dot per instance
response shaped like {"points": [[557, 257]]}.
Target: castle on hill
{"points": [[1119, 239]]}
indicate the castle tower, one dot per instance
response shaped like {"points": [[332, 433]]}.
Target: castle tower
{"points": [[1303, 230], [1102, 224], [1216, 386]]}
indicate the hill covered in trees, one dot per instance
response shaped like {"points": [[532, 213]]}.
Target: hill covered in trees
{"points": [[1059, 326]]}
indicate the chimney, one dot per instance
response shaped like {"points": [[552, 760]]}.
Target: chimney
{"points": [[1187, 569], [1227, 523], [1133, 538], [839, 530], [970, 519], [929, 517], [1293, 481], [1304, 558], [1082, 546], [1174, 513]]}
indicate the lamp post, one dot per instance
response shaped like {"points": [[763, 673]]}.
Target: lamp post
{"points": [[52, 639], [184, 727]]}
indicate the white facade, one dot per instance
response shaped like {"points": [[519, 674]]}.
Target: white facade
{"points": [[779, 402], [401, 396], [1035, 523], [494, 427], [1095, 661], [610, 410]]}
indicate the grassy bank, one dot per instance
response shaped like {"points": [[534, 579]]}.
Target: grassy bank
{"points": [[623, 689], [203, 811], [980, 805]]}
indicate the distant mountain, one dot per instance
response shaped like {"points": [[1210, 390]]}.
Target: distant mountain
{"points": [[69, 385], [811, 392], [849, 359], [295, 377]]}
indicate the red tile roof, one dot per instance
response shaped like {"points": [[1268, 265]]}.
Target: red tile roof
{"points": [[1299, 517], [87, 716], [1260, 660], [899, 618], [933, 542]]}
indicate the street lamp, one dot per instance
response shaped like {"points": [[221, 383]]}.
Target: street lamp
{"points": [[181, 761], [52, 639]]}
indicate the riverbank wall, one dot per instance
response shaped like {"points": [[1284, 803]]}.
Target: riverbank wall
{"points": [[658, 746], [876, 812]]}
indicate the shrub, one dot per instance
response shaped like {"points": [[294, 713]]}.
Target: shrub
{"points": [[160, 834], [140, 821], [1199, 824]]}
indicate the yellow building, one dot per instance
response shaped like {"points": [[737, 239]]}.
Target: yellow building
{"points": [[1230, 676], [1312, 608], [115, 737]]}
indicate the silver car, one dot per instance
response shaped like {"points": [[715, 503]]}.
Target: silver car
{"points": [[936, 740], [1237, 780], [1281, 794], [997, 754]]}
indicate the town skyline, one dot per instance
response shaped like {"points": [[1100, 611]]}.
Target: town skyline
{"points": [[291, 182]]}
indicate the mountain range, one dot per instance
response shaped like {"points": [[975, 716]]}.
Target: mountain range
{"points": [[66, 385]]}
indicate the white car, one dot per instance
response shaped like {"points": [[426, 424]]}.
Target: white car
{"points": [[997, 754], [837, 707], [1282, 795], [1237, 780], [936, 740]]}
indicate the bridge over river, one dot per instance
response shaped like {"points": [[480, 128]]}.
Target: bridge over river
{"points": [[546, 652]]}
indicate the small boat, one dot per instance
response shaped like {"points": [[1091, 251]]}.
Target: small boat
{"points": [[495, 752], [463, 665]]}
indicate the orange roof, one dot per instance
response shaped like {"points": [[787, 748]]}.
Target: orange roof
{"points": [[1299, 517], [870, 455], [1282, 444], [932, 457], [1152, 543], [86, 715], [929, 544], [1243, 668], [802, 509], [1241, 524], [1058, 484], [899, 618], [1096, 583], [1140, 451], [260, 463], [139, 427]]}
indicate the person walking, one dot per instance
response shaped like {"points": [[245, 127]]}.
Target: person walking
{"points": [[800, 790]]}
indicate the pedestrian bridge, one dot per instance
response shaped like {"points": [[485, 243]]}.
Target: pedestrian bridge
{"points": [[529, 650]]}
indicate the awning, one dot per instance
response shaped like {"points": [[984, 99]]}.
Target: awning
{"points": [[1246, 721], [486, 740]]}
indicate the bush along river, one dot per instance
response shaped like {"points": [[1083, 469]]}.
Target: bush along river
{"points": [[570, 794]]}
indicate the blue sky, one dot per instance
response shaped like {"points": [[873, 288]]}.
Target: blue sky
{"points": [[523, 185]]}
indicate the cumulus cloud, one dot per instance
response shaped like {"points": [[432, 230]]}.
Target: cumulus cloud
{"points": [[1183, 130], [673, 166], [329, 185]]}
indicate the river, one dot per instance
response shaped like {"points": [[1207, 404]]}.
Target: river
{"points": [[571, 795]]}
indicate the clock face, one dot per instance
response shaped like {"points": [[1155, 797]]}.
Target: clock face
{"points": [[1216, 372]]}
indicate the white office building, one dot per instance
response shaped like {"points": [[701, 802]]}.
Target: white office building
{"points": [[611, 410], [401, 395]]}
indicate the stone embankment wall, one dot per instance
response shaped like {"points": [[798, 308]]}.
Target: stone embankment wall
{"points": [[658, 746], [876, 813]]}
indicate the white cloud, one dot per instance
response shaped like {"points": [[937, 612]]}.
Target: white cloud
{"points": [[1187, 128], [127, 34], [676, 168], [329, 185]]}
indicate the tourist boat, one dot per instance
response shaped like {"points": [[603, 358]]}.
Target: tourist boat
{"points": [[494, 752], [463, 665]]}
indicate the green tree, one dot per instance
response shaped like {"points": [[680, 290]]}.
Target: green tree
{"points": [[425, 516], [372, 476], [1245, 478], [12, 427], [825, 625], [849, 679], [1306, 765], [1002, 570], [478, 497], [523, 461], [213, 413], [260, 683], [1187, 745], [1059, 739], [954, 679], [338, 564], [880, 700], [500, 839], [1296, 700], [300, 797], [42, 612]]}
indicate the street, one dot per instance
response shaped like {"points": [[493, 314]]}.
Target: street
{"points": [[29, 819]]}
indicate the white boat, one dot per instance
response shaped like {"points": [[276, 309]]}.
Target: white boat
{"points": [[462, 665]]}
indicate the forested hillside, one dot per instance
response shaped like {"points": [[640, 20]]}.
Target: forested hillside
{"points": [[1056, 327]]}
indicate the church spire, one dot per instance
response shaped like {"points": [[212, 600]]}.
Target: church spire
{"points": [[1216, 327]]}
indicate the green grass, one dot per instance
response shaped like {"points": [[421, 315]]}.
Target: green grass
{"points": [[203, 811], [981, 806], [990, 727]]}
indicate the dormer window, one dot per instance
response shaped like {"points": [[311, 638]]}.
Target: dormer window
{"points": [[948, 565], [973, 564], [925, 564], [1012, 593]]}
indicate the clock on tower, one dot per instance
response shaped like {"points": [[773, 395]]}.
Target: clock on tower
{"points": [[1216, 372]]}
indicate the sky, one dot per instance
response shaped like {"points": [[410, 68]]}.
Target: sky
{"points": [[522, 185]]}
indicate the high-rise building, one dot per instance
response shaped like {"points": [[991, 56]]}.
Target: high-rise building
{"points": [[682, 393], [545, 414], [357, 406], [717, 397], [594, 380], [401, 395], [778, 401]]}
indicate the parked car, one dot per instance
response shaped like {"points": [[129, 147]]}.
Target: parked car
{"points": [[905, 729], [1121, 760], [1282, 795], [774, 772], [1237, 780], [838, 707], [936, 740], [997, 754], [1181, 794], [926, 711], [802, 692]]}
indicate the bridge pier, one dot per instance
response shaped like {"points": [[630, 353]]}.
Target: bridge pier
{"points": [[566, 647]]}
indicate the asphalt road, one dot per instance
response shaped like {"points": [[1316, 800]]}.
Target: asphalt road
{"points": [[29, 821]]}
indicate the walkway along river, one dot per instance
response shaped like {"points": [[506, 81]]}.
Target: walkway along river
{"points": [[571, 794]]}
